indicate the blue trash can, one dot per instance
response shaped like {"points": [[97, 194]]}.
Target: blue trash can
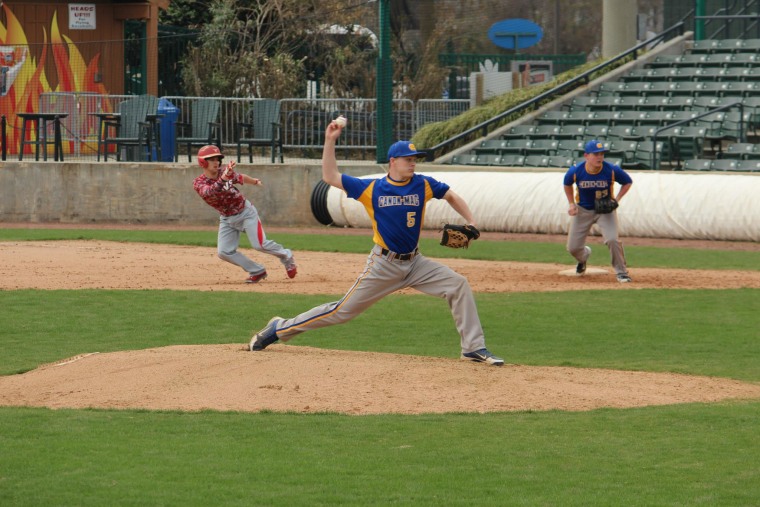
{"points": [[170, 114]]}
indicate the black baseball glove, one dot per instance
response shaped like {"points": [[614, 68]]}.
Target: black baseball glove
{"points": [[605, 205], [459, 236]]}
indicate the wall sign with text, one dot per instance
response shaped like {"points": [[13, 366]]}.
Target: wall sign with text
{"points": [[82, 17]]}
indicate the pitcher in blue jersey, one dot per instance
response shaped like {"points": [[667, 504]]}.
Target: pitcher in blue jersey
{"points": [[595, 179], [396, 206]]}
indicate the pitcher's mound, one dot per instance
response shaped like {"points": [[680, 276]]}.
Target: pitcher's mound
{"points": [[287, 378]]}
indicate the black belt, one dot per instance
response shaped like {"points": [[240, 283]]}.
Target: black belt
{"points": [[402, 257]]}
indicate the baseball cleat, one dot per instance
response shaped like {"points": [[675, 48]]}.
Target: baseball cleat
{"points": [[482, 356], [624, 279], [581, 267], [266, 336], [291, 268], [256, 278]]}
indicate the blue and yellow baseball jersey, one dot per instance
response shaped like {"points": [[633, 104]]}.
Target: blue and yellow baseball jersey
{"points": [[593, 186], [396, 209]]}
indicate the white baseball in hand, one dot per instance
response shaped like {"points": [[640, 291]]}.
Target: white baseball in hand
{"points": [[340, 121]]}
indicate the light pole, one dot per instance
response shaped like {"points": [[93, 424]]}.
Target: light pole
{"points": [[384, 83]]}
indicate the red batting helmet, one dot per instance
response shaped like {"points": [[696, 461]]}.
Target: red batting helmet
{"points": [[209, 151]]}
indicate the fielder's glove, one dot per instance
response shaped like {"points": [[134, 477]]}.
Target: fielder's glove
{"points": [[605, 205], [459, 236]]}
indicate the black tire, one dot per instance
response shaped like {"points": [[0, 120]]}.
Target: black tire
{"points": [[319, 203]]}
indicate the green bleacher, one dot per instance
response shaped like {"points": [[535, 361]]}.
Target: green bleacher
{"points": [[626, 113]]}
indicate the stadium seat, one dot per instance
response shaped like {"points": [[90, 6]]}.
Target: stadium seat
{"points": [[735, 126], [519, 132], [611, 88], [545, 147], [553, 117], [723, 164], [714, 60], [730, 46], [678, 103], [619, 132], [732, 74], [740, 89], [689, 73], [581, 103], [742, 151], [705, 46], [748, 165], [515, 146], [623, 149], [676, 116], [570, 132], [652, 103], [573, 147], [546, 131], [697, 164], [494, 146], [467, 159], [561, 162], [630, 118], [669, 88], [751, 46], [488, 159], [596, 132], [642, 132], [685, 142], [752, 106], [580, 117], [614, 161], [699, 88], [670, 60], [536, 161], [600, 118], [743, 60], [512, 160], [642, 158]]}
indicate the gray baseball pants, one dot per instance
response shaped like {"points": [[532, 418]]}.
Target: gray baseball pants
{"points": [[382, 276], [229, 239], [581, 224]]}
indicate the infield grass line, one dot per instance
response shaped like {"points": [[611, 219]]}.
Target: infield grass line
{"points": [[637, 256], [711, 332]]}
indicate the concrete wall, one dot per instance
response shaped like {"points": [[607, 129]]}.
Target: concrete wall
{"points": [[75, 192]]}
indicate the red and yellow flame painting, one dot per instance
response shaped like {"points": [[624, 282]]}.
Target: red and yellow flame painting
{"points": [[72, 75]]}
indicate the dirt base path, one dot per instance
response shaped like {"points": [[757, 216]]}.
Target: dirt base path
{"points": [[111, 265], [305, 379]]}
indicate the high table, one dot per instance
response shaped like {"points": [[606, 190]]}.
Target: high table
{"points": [[40, 121]]}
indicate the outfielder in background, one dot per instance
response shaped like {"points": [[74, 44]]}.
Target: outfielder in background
{"points": [[217, 187], [593, 204], [396, 206]]}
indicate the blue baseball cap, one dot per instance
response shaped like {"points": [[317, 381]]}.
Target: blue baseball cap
{"points": [[594, 146], [404, 149]]}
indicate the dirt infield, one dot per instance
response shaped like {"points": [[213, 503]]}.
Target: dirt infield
{"points": [[305, 379]]}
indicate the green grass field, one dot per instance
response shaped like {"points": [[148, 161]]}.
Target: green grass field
{"points": [[693, 454]]}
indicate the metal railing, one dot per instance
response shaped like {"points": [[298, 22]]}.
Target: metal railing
{"points": [[303, 121], [482, 129]]}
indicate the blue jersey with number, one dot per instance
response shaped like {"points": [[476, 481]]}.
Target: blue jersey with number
{"points": [[595, 186], [396, 209]]}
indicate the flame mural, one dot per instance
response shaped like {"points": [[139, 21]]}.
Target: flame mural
{"points": [[27, 88]]}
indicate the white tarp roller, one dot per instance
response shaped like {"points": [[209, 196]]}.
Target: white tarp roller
{"points": [[660, 205]]}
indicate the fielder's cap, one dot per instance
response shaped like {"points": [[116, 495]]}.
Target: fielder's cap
{"points": [[594, 146], [404, 149]]}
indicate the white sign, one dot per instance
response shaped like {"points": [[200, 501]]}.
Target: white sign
{"points": [[82, 17]]}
